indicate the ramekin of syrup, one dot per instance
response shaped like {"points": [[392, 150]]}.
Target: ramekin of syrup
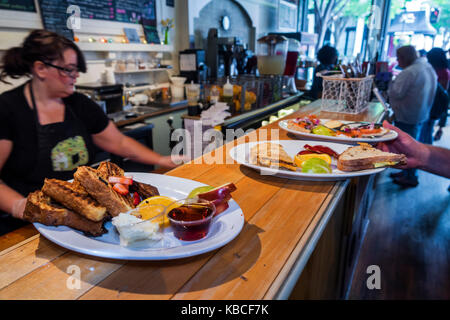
{"points": [[192, 219]]}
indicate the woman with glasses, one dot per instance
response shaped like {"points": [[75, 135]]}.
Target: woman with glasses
{"points": [[47, 129]]}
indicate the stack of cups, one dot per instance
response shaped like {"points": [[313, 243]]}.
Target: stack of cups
{"points": [[177, 87]]}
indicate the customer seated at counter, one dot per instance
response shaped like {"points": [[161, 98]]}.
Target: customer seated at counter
{"points": [[411, 95], [328, 57], [46, 129]]}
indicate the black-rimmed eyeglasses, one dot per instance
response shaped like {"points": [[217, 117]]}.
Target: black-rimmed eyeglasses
{"points": [[69, 72]]}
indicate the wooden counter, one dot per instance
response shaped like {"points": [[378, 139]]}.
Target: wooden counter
{"points": [[286, 223]]}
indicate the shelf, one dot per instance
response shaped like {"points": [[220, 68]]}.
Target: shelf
{"points": [[130, 47], [141, 71]]}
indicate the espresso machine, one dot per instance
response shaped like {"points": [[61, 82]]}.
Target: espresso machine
{"points": [[225, 56]]}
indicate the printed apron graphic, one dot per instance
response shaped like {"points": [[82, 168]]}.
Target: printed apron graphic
{"points": [[69, 154]]}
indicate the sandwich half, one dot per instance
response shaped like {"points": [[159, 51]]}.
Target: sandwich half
{"points": [[271, 155], [365, 156]]}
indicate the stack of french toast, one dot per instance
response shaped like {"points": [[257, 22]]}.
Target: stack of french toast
{"points": [[86, 203]]}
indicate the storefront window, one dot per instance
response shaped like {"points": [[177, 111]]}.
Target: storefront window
{"points": [[423, 24], [342, 24]]}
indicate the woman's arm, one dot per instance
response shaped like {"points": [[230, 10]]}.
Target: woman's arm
{"points": [[10, 200], [113, 141]]}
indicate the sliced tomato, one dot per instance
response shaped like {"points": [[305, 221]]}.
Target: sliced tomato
{"points": [[370, 131], [121, 189], [356, 133]]}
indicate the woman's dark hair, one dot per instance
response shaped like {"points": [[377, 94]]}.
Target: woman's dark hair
{"points": [[327, 55], [436, 57], [39, 45]]}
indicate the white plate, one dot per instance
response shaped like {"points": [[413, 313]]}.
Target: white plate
{"points": [[241, 154], [391, 135], [225, 228]]}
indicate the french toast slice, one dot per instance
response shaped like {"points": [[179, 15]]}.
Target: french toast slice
{"points": [[108, 169], [102, 191], [40, 208], [144, 190], [74, 197]]}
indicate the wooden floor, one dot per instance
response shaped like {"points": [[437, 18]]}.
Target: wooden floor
{"points": [[409, 239]]}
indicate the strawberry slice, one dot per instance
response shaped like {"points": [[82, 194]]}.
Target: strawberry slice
{"points": [[122, 180], [121, 189], [136, 198]]}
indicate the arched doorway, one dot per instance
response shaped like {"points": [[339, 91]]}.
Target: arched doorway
{"points": [[210, 16]]}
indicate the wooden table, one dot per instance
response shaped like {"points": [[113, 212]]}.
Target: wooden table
{"points": [[284, 226]]}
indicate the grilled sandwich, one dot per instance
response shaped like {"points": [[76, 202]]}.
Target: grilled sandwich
{"points": [[99, 188], [365, 156], [75, 197], [271, 155], [40, 208]]}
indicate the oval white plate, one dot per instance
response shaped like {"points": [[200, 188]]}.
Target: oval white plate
{"points": [[241, 155], [225, 228], [391, 135]]}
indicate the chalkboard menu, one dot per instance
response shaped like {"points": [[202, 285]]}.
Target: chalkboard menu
{"points": [[89, 9], [54, 17], [130, 11], [54, 13], [20, 5]]}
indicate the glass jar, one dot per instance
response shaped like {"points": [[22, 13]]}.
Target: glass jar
{"points": [[271, 53], [251, 92]]}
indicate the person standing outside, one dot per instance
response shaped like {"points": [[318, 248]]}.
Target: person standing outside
{"points": [[411, 95], [438, 60]]}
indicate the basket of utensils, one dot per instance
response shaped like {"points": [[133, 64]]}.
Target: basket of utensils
{"points": [[346, 91]]}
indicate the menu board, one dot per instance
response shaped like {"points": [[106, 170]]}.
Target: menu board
{"points": [[130, 11], [19, 5], [54, 13], [54, 16], [90, 9]]}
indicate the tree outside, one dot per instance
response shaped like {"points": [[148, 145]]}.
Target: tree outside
{"points": [[337, 15]]}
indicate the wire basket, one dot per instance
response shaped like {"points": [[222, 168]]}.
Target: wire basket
{"points": [[346, 95]]}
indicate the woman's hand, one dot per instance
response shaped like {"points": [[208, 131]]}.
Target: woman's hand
{"points": [[18, 208], [172, 161], [415, 152]]}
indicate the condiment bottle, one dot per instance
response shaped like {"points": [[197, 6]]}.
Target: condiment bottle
{"points": [[215, 94], [228, 92]]}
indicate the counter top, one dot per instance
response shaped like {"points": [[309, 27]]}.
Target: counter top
{"points": [[157, 112], [283, 222]]}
